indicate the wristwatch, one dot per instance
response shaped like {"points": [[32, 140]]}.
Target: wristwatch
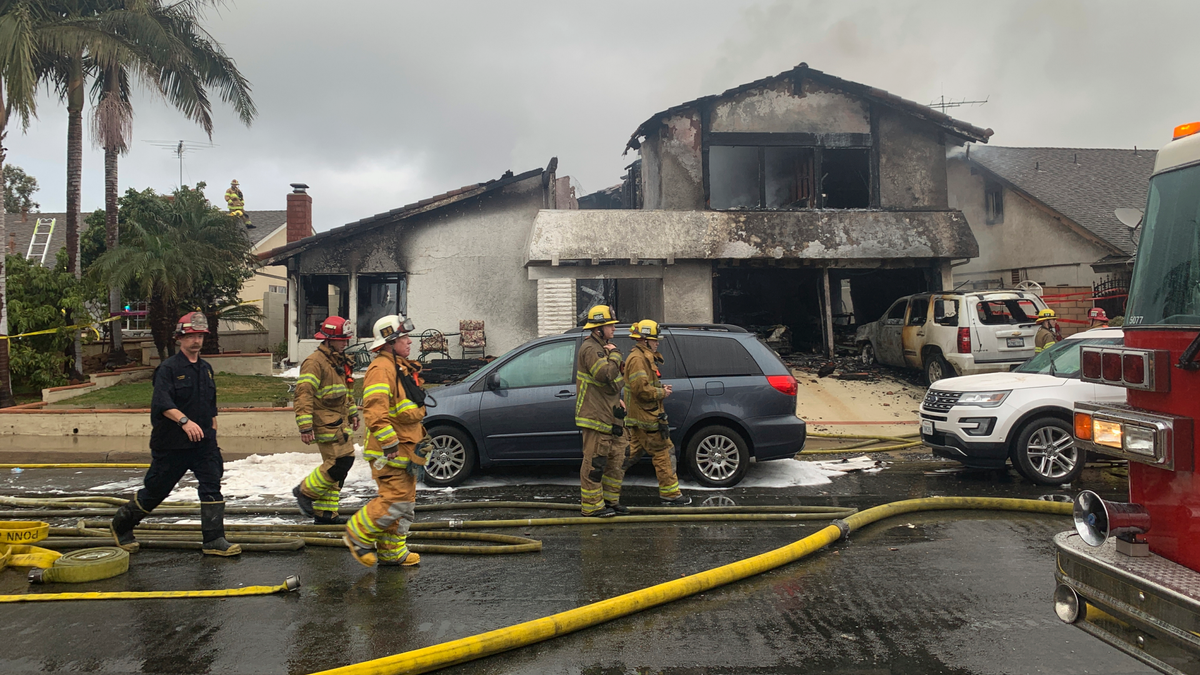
{"points": [[183, 421]]}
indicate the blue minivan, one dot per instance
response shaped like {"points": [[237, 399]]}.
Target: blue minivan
{"points": [[734, 401]]}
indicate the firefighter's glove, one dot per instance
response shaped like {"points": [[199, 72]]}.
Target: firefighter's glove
{"points": [[416, 465], [617, 430], [389, 452], [664, 427]]}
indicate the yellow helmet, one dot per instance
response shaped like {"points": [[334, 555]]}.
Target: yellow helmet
{"points": [[599, 315], [646, 329], [1046, 315]]}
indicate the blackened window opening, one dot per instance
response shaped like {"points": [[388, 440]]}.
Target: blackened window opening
{"points": [[993, 202], [788, 177]]}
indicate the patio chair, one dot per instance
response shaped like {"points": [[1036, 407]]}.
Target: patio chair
{"points": [[471, 337], [433, 342]]}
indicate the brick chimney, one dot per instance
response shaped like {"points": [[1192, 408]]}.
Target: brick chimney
{"points": [[299, 213]]}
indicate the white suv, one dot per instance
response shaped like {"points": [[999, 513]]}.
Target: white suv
{"points": [[948, 334], [984, 420]]}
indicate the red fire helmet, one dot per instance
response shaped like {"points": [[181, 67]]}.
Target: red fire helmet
{"points": [[192, 322], [1097, 314], [334, 328]]}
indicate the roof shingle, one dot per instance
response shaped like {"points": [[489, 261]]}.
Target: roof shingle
{"points": [[1085, 185]]}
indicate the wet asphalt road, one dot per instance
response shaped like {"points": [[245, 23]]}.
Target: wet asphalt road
{"points": [[963, 592]]}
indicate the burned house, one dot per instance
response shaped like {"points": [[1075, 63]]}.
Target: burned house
{"points": [[802, 200], [452, 257]]}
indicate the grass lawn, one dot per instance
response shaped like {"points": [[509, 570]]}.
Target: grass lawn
{"points": [[230, 389]]}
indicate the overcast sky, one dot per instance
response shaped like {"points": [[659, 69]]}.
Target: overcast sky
{"points": [[379, 103]]}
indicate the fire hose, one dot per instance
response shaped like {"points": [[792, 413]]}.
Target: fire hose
{"points": [[538, 630], [290, 584], [898, 443]]}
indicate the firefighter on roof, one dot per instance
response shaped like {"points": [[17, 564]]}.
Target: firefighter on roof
{"points": [[326, 415]]}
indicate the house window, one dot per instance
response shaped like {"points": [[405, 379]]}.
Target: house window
{"points": [[788, 177], [993, 202], [379, 295], [630, 299], [277, 289], [322, 295]]}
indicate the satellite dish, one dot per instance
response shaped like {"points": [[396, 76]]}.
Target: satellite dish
{"points": [[1031, 286], [1131, 218]]}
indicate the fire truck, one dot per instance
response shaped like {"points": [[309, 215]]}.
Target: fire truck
{"points": [[1129, 573]]}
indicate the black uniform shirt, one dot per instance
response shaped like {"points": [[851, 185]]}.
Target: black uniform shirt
{"points": [[189, 387]]}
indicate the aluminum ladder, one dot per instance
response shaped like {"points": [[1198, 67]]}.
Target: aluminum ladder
{"points": [[39, 243]]}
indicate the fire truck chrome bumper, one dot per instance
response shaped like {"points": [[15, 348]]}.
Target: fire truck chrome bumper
{"points": [[1146, 607]]}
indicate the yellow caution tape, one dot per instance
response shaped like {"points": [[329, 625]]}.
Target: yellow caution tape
{"points": [[78, 465], [23, 531], [48, 331]]}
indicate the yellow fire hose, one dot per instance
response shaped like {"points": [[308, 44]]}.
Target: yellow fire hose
{"points": [[22, 531], [530, 632], [898, 443], [77, 465], [26, 556], [89, 564], [290, 584]]}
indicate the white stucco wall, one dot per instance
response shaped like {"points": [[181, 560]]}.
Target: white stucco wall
{"points": [[777, 108], [1030, 239], [687, 292]]}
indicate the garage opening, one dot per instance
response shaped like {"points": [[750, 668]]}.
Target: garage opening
{"points": [[762, 299]]}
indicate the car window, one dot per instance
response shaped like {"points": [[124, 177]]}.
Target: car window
{"points": [[897, 310], [542, 366], [919, 311], [1063, 356], [668, 369], [945, 311], [1004, 312], [715, 356]]}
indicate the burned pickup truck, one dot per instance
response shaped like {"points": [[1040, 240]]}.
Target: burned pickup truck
{"points": [[950, 334]]}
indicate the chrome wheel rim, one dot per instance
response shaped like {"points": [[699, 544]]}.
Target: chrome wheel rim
{"points": [[447, 458], [717, 457], [934, 372], [1051, 452]]}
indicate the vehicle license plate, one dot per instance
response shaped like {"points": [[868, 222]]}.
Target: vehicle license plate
{"points": [[1016, 342], [927, 427]]}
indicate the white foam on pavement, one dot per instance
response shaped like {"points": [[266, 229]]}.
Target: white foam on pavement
{"points": [[264, 479], [292, 373]]}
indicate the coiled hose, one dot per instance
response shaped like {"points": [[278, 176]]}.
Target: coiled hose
{"points": [[898, 443], [530, 632]]}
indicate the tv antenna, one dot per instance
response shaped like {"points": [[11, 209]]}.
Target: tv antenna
{"points": [[180, 148], [943, 103]]}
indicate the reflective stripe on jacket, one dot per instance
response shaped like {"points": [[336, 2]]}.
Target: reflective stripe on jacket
{"points": [[598, 378], [392, 419], [323, 403], [1044, 338], [643, 392]]}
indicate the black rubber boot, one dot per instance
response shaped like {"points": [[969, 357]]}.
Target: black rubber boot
{"points": [[619, 508], [681, 500], [304, 502], [127, 518], [329, 518], [212, 527], [605, 512]]}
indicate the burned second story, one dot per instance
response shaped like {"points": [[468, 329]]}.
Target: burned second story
{"points": [[799, 140]]}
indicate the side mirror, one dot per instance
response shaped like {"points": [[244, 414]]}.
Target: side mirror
{"points": [[493, 381]]}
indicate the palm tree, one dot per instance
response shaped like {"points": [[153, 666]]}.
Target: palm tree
{"points": [[171, 254], [176, 55]]}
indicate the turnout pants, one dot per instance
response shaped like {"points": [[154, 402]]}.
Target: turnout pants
{"points": [[660, 450], [324, 484], [383, 523], [601, 474]]}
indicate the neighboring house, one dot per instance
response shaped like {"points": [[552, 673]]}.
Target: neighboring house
{"points": [[1046, 214], [268, 286], [801, 200], [20, 228], [456, 256]]}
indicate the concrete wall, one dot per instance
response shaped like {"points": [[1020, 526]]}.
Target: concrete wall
{"points": [[1031, 239], [912, 162], [778, 108], [687, 292], [234, 364], [672, 166], [463, 261]]}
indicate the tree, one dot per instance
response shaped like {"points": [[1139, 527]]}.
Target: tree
{"points": [[183, 61], [18, 190], [179, 253], [41, 299]]}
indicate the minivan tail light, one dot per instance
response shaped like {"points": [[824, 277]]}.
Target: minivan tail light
{"points": [[964, 340], [784, 383]]}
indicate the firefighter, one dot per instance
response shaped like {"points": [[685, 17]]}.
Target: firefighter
{"points": [[1098, 317], [183, 437], [397, 448], [236, 202], [646, 419], [326, 414], [1047, 333], [599, 412]]}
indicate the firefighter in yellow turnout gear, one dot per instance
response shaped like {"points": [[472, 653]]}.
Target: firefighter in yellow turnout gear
{"points": [[646, 420], [326, 415], [598, 413], [397, 448], [1047, 333]]}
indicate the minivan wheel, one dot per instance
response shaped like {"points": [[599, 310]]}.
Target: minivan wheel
{"points": [[452, 458], [867, 355], [717, 456], [936, 368], [1046, 453]]}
